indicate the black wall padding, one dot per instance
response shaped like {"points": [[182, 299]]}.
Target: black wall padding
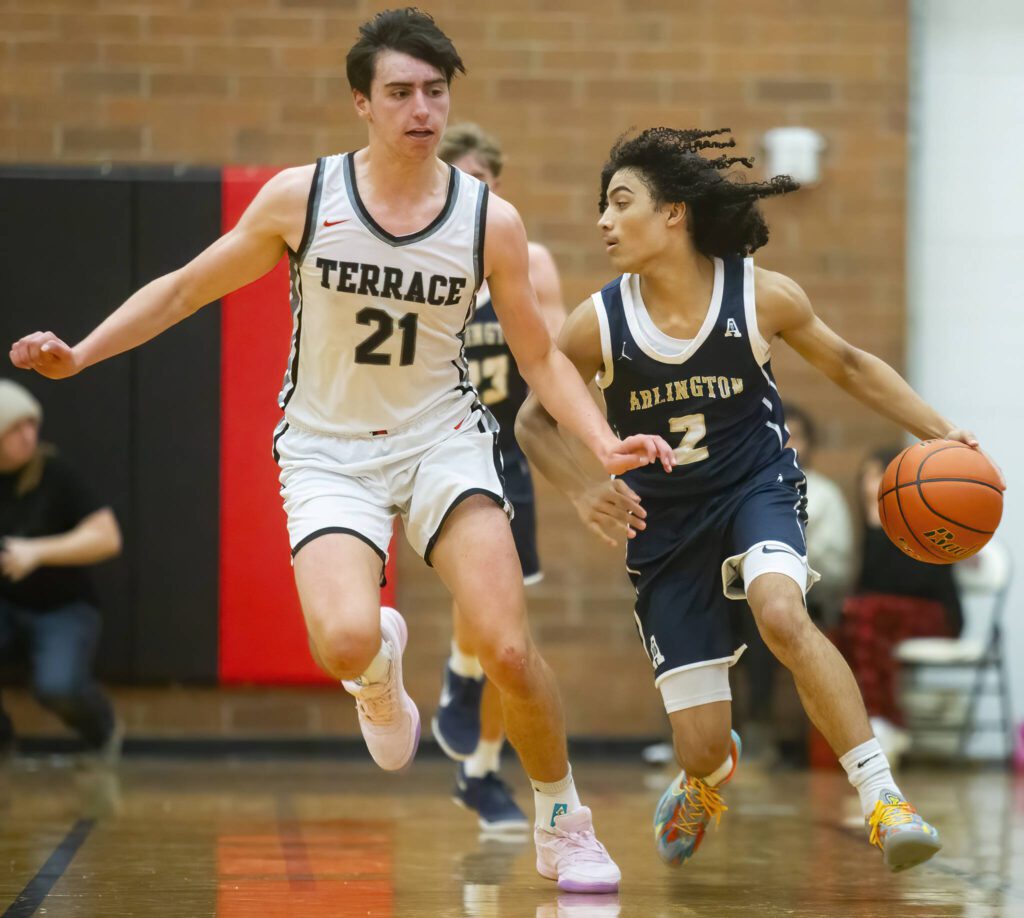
{"points": [[141, 427]]}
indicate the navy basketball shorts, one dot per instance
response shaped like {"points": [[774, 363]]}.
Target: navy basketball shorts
{"points": [[519, 493], [692, 559]]}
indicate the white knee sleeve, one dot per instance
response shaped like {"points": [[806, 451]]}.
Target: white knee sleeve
{"points": [[697, 684]]}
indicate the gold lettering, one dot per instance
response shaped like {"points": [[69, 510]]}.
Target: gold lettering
{"points": [[723, 386], [696, 387], [681, 390], [737, 386], [709, 381], [645, 398], [634, 402]]}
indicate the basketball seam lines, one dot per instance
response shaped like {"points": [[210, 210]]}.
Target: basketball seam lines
{"points": [[906, 522]]}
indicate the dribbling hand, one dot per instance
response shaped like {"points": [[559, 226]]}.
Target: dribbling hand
{"points": [[960, 435], [45, 353], [637, 451]]}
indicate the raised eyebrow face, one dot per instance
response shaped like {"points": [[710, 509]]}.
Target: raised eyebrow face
{"points": [[426, 84]]}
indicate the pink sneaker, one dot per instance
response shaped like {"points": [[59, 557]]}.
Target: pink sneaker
{"points": [[571, 854], [388, 717]]}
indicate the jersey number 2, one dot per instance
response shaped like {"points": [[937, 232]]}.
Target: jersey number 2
{"points": [[366, 352], [693, 430]]}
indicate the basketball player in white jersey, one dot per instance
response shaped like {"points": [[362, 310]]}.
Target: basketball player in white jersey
{"points": [[387, 248]]}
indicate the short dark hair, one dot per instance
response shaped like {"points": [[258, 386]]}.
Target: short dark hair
{"points": [[796, 413], [463, 139], [408, 30], [723, 216]]}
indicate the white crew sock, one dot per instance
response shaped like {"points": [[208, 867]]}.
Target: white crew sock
{"points": [[485, 758], [720, 774], [379, 666], [554, 799], [869, 772], [464, 664]]}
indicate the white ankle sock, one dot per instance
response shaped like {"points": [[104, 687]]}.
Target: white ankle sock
{"points": [[869, 772], [378, 669], [464, 664], [719, 774], [554, 799], [485, 758]]}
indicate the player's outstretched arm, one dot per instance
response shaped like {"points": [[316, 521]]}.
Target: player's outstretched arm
{"points": [[239, 257], [783, 309], [544, 367], [609, 508]]}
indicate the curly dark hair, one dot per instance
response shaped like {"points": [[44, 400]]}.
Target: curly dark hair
{"points": [[409, 30], [722, 215]]}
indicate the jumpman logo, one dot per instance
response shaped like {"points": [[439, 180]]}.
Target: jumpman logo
{"points": [[624, 355]]}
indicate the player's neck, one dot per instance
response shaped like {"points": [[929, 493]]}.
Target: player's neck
{"points": [[397, 178], [678, 285]]}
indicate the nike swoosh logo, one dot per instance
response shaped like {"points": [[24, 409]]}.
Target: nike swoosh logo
{"points": [[864, 762], [775, 551], [334, 222]]}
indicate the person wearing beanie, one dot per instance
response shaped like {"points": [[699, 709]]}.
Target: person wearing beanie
{"points": [[51, 529]]}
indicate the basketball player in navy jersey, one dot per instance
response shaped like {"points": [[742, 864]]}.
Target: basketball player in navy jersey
{"points": [[388, 247], [468, 724], [680, 344]]}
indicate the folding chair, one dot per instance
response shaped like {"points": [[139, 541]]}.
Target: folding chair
{"points": [[983, 580]]}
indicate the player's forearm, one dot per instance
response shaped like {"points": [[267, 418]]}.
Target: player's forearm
{"points": [[144, 315], [542, 441], [564, 395], [872, 381], [95, 539]]}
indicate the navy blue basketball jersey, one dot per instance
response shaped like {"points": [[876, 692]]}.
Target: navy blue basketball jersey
{"points": [[493, 370], [713, 399]]}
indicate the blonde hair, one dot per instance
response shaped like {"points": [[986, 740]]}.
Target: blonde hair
{"points": [[462, 139]]}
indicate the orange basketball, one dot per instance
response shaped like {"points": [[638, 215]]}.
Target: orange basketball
{"points": [[940, 501]]}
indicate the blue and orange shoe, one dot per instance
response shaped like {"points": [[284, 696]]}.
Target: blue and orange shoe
{"points": [[685, 810], [905, 839]]}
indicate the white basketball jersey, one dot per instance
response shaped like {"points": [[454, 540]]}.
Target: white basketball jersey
{"points": [[378, 320]]}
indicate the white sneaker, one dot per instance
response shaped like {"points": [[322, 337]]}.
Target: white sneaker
{"points": [[388, 717], [571, 854]]}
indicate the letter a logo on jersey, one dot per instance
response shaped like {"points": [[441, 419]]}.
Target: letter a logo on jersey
{"points": [[656, 656], [732, 329]]}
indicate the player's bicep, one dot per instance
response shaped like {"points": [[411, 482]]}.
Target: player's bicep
{"points": [[508, 276], [580, 340], [821, 347], [249, 250]]}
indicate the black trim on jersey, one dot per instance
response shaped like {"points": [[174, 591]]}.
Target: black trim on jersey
{"points": [[293, 370], [312, 207], [277, 439], [499, 500], [329, 530], [374, 227], [481, 231]]}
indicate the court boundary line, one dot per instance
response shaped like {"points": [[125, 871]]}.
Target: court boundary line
{"points": [[27, 902]]}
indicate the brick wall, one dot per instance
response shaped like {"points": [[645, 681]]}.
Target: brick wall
{"points": [[262, 81]]}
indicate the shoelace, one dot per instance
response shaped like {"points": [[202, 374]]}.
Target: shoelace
{"points": [[377, 702], [701, 799], [585, 844], [888, 815]]}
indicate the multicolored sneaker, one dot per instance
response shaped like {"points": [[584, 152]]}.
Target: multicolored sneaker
{"points": [[905, 838], [456, 724], [491, 798], [388, 717], [570, 853], [684, 811]]}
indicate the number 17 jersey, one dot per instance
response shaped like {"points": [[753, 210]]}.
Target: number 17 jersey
{"points": [[713, 399], [378, 320]]}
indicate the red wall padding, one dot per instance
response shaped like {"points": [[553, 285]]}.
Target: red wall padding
{"points": [[262, 636]]}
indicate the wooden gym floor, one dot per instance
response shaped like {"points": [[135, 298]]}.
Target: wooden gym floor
{"points": [[341, 839]]}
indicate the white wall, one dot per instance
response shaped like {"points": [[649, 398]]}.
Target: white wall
{"points": [[966, 242]]}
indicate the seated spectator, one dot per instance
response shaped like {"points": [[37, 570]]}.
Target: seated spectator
{"points": [[51, 528], [894, 598]]}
